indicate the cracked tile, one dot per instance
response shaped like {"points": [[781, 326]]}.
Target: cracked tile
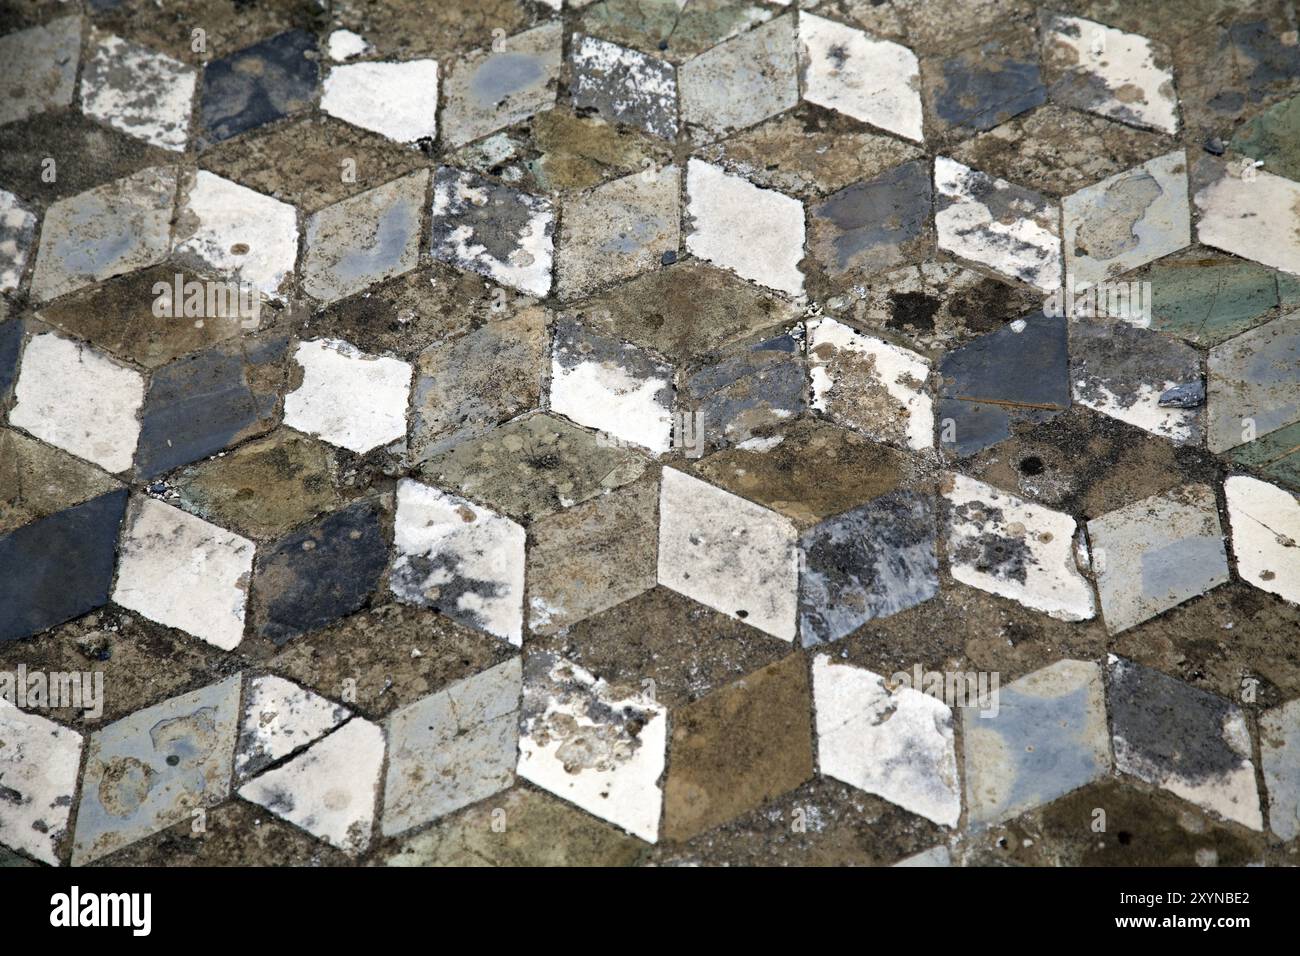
{"points": [[896, 744], [615, 388], [280, 718], [463, 560], [330, 789], [39, 761], [152, 769], [396, 100], [1252, 384], [669, 30], [1046, 737], [744, 395], [184, 572], [1157, 553], [481, 226], [624, 86], [875, 81], [871, 562], [453, 748], [316, 575], [1010, 547], [1276, 455], [871, 385], [1128, 220], [1265, 523], [140, 91], [1184, 740], [1109, 72], [1207, 300], [492, 89], [364, 239], [728, 553], [348, 398], [597, 745]]}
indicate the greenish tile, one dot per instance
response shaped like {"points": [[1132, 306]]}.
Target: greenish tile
{"points": [[1211, 301], [1288, 290], [1277, 455], [1274, 137]]}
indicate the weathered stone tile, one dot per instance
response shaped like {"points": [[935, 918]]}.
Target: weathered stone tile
{"points": [[396, 100], [279, 718], [258, 85], [941, 27], [1274, 138], [465, 561], [491, 89], [138, 90], [871, 562], [1157, 553], [592, 556], [624, 86], [1018, 550], [481, 226], [17, 232], [728, 553], [37, 481], [465, 388], [534, 466], [314, 576], [1019, 373], [896, 744], [103, 232], [598, 746], [685, 311], [1059, 150], [618, 230], [343, 45], [348, 398], [303, 162], [1250, 213], [154, 768], [184, 572], [1209, 300], [615, 388], [982, 87], [42, 68], [1277, 455], [816, 470], [740, 82], [756, 233], [454, 748], [876, 81], [404, 29], [1265, 523], [991, 222], [808, 153], [263, 488], [1046, 737], [38, 764], [873, 226], [60, 566], [1109, 72], [668, 29], [330, 789], [197, 406], [1128, 373], [1185, 740], [1127, 220], [76, 399], [871, 385], [364, 239], [1252, 384], [232, 231], [747, 392], [738, 748], [1279, 748], [540, 831]]}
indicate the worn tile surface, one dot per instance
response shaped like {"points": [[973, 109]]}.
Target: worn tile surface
{"points": [[628, 432]]}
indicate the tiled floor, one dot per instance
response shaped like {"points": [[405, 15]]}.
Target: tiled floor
{"points": [[619, 431]]}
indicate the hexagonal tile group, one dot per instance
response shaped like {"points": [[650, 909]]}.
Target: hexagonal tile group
{"points": [[555, 454]]}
